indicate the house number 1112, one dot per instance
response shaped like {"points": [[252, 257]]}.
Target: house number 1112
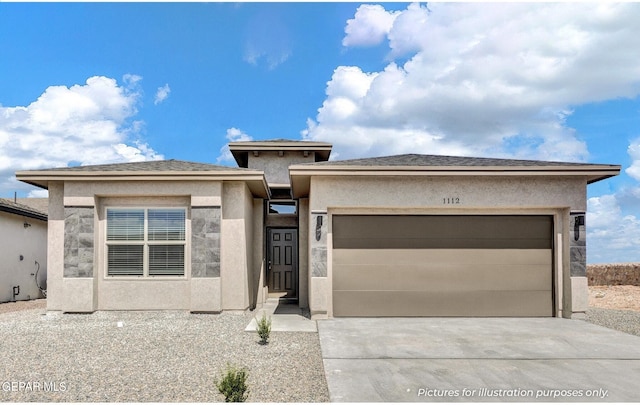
{"points": [[451, 200]]}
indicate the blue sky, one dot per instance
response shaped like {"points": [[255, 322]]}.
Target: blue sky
{"points": [[88, 83]]}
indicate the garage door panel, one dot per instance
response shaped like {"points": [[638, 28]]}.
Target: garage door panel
{"points": [[420, 303], [401, 257], [443, 278], [442, 243], [446, 231]]}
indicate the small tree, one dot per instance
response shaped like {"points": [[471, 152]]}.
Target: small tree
{"points": [[233, 384], [263, 328]]}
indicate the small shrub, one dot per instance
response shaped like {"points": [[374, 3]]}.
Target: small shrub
{"points": [[233, 384], [263, 328]]}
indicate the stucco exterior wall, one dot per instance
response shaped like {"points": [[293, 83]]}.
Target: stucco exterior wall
{"points": [[303, 253], [258, 290], [276, 167], [221, 264], [23, 249], [445, 195], [477, 192], [236, 245], [55, 247]]}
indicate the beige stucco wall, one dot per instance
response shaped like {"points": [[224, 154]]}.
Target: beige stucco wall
{"points": [[55, 247], [209, 294], [236, 245], [477, 192], [303, 253], [258, 287], [432, 195], [275, 167], [31, 244]]}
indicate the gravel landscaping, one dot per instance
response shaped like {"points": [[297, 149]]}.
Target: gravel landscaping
{"points": [[167, 356], [174, 356], [624, 321]]}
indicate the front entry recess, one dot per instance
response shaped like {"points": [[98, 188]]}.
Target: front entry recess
{"points": [[283, 262]]}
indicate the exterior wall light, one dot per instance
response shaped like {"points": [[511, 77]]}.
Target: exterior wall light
{"points": [[318, 227], [579, 220]]}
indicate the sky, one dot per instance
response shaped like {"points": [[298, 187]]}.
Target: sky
{"points": [[93, 83]]}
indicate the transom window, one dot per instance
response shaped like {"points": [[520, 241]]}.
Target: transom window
{"points": [[278, 207], [145, 242]]}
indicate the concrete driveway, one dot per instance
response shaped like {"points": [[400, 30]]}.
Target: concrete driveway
{"points": [[479, 359]]}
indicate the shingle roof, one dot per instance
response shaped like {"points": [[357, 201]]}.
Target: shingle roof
{"points": [[441, 161], [161, 170], [21, 209], [38, 204], [148, 166]]}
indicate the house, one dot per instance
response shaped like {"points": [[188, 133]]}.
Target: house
{"points": [[23, 247], [407, 235]]}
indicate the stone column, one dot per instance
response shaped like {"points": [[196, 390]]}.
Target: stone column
{"points": [[578, 264], [205, 259], [79, 273], [318, 234]]}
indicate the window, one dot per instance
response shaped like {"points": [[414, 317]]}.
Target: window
{"points": [[145, 242], [282, 207]]}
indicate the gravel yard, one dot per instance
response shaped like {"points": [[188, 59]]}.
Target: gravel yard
{"points": [[175, 356], [154, 357]]}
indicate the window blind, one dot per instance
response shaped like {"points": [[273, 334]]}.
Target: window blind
{"points": [[166, 260], [125, 224], [125, 260], [166, 224]]}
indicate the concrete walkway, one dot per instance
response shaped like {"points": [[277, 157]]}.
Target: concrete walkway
{"points": [[284, 318], [479, 359]]}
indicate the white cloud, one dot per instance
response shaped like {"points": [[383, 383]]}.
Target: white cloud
{"points": [[86, 124], [40, 193], [634, 152], [480, 79], [233, 135], [162, 94], [370, 26], [613, 227], [612, 236], [267, 39]]}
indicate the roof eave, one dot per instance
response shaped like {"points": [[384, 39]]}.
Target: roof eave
{"points": [[300, 175], [240, 150], [255, 179], [23, 213]]}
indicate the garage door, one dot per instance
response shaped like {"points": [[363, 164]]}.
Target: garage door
{"points": [[444, 265]]}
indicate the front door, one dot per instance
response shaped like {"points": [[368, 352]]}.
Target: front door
{"points": [[283, 261]]}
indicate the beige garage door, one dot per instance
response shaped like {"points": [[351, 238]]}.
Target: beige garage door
{"points": [[444, 265]]}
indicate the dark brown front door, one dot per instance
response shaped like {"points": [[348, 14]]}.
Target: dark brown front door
{"points": [[283, 261]]}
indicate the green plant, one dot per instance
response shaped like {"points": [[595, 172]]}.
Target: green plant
{"points": [[263, 328], [233, 384]]}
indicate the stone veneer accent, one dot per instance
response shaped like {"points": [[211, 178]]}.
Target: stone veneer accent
{"points": [[78, 241], [577, 248], [318, 247], [205, 241]]}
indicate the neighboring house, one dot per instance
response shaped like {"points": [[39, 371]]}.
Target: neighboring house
{"points": [[23, 249], [408, 235]]}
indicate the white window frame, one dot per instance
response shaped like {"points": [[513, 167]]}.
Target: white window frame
{"points": [[145, 242]]}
